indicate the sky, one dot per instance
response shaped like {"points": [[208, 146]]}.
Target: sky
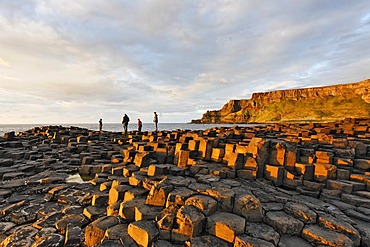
{"points": [[64, 61]]}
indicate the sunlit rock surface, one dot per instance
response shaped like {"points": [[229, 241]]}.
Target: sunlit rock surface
{"points": [[301, 184]]}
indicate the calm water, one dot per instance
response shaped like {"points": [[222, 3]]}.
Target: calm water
{"points": [[116, 127]]}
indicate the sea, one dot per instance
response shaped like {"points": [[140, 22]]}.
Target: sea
{"points": [[117, 127]]}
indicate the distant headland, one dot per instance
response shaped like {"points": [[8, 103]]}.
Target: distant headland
{"points": [[329, 103]]}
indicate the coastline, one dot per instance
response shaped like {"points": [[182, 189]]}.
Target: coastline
{"points": [[282, 178], [115, 127]]}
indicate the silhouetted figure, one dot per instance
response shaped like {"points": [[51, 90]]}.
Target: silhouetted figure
{"points": [[155, 120], [125, 121], [139, 124], [100, 125]]}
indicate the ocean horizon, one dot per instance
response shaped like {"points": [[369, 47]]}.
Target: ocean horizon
{"points": [[117, 127]]}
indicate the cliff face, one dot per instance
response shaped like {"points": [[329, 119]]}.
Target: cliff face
{"points": [[321, 103]]}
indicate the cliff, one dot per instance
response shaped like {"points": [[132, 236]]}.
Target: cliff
{"points": [[307, 104]]}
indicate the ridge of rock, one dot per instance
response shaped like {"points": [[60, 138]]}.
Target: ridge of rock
{"points": [[328, 103]]}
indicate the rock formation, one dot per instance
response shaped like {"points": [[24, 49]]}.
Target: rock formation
{"points": [[265, 185], [322, 103]]}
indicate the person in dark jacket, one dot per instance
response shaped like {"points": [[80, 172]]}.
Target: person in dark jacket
{"points": [[155, 120], [125, 121], [100, 125], [139, 124]]}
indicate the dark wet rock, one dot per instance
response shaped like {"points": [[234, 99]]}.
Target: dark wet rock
{"points": [[243, 240], [341, 226], [224, 197], [356, 200], [273, 206], [262, 231], [357, 215], [321, 236], [5, 226], [49, 208], [284, 223], [55, 240], [110, 243], [119, 232], [70, 220], [22, 237], [321, 167], [198, 187], [25, 214], [288, 241], [208, 240], [74, 209], [301, 212], [74, 236], [47, 221], [94, 212], [248, 206], [11, 207]]}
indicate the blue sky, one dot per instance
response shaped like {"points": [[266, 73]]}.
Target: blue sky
{"points": [[65, 61]]}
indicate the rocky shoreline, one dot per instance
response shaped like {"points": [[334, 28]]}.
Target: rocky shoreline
{"points": [[301, 104], [301, 184]]}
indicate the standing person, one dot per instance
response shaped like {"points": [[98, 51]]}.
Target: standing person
{"points": [[155, 120], [139, 124], [100, 125], [125, 121]]}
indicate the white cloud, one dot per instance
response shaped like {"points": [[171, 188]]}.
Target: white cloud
{"points": [[88, 58], [4, 63]]}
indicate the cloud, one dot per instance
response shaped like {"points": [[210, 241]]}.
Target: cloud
{"points": [[180, 58], [4, 63]]}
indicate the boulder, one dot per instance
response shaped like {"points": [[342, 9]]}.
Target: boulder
{"points": [[262, 231], [301, 211], [119, 232], [356, 200], [117, 193], [21, 237], [158, 194], [259, 149], [206, 204], [225, 225], [73, 236], [248, 206], [165, 221], [224, 197], [289, 241], [143, 232], [246, 241], [189, 223], [283, 223], [341, 226], [95, 231], [321, 236], [55, 240], [178, 196], [70, 220], [127, 209], [207, 240]]}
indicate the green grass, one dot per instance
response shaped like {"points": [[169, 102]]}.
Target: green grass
{"points": [[324, 109], [328, 108]]}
